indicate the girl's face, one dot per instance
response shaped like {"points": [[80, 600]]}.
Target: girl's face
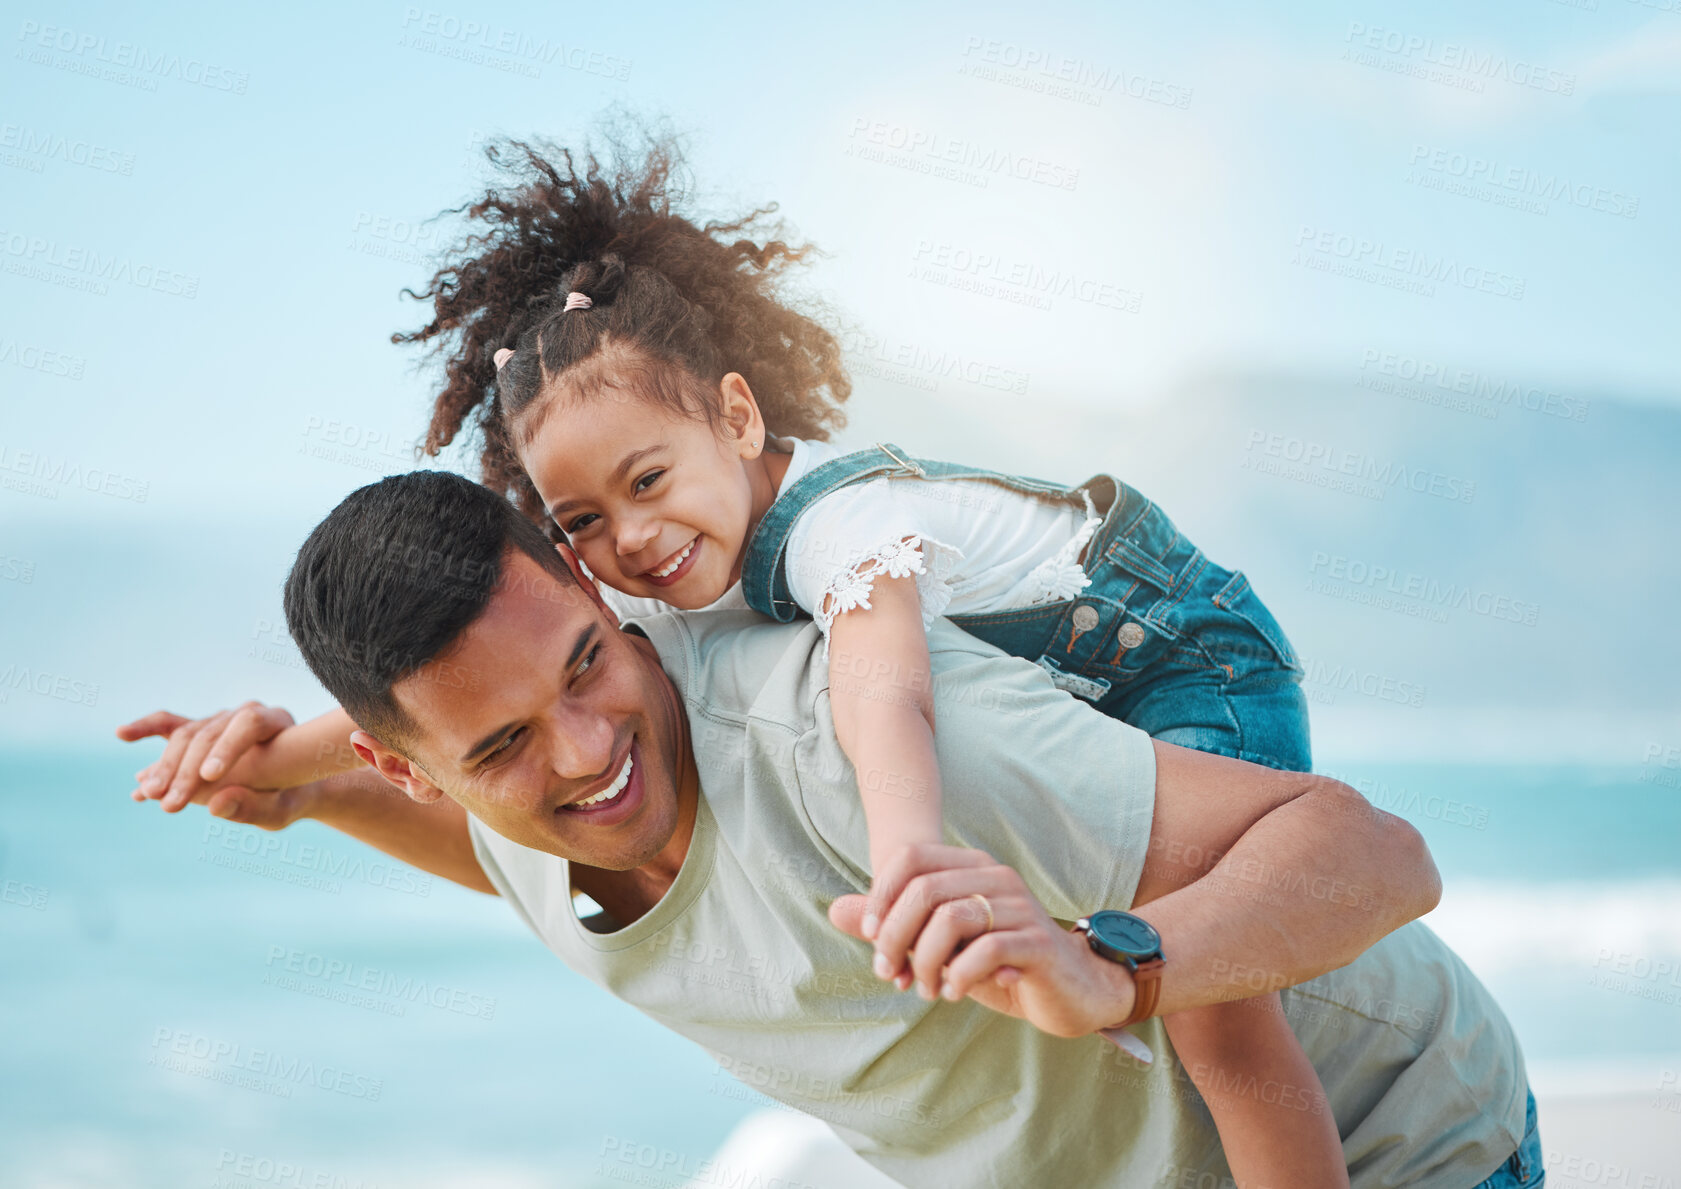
{"points": [[657, 504]]}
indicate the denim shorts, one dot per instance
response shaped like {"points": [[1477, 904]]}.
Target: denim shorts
{"points": [[1524, 1170], [1166, 641]]}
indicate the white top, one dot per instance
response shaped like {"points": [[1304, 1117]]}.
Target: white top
{"points": [[974, 546]]}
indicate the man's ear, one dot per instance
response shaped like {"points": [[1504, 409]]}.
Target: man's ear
{"points": [[398, 769], [740, 412], [586, 582]]}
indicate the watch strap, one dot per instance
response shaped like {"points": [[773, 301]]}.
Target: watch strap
{"points": [[1147, 990]]}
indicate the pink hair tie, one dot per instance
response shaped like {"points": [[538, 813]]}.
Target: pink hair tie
{"points": [[577, 301]]}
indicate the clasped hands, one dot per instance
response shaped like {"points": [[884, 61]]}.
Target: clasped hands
{"points": [[931, 927]]}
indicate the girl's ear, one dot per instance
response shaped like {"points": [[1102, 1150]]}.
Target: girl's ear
{"points": [[740, 413]]}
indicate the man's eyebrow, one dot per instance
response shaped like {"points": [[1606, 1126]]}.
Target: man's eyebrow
{"points": [[619, 472], [485, 744], [579, 647]]}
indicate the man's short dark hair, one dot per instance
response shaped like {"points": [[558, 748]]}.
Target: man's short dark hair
{"points": [[394, 574]]}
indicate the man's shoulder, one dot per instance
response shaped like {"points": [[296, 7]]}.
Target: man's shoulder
{"points": [[738, 664]]}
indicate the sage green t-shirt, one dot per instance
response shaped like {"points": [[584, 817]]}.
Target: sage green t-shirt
{"points": [[1422, 1070]]}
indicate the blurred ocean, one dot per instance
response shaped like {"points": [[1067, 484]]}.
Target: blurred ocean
{"points": [[183, 1009]]}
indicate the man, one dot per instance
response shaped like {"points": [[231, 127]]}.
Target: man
{"points": [[684, 774]]}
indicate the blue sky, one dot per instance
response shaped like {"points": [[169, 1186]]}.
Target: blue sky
{"points": [[1218, 190]]}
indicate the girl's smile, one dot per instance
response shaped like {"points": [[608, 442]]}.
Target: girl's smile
{"points": [[671, 571]]}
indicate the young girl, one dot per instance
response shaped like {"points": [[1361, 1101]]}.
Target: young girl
{"points": [[643, 389]]}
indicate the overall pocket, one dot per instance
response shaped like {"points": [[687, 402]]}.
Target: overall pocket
{"points": [[1239, 633], [1147, 633]]}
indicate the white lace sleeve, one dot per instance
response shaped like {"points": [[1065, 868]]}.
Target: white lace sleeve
{"points": [[849, 589], [845, 541]]}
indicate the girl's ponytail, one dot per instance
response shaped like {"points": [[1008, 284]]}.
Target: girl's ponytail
{"points": [[692, 301]]}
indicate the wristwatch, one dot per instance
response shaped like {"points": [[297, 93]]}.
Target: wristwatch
{"points": [[1134, 943]]}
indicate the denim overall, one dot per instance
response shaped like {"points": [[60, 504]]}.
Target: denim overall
{"points": [[1162, 639]]}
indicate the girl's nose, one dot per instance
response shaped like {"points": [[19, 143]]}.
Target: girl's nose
{"points": [[634, 535]]}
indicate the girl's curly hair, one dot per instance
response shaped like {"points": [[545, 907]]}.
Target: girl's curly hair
{"points": [[676, 305]]}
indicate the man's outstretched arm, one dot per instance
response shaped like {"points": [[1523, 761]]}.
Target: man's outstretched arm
{"points": [[364, 805], [1256, 880]]}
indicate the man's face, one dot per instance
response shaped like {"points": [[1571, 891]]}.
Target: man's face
{"points": [[568, 739]]}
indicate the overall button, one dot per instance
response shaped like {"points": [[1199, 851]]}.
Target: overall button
{"points": [[1129, 637], [1083, 620]]}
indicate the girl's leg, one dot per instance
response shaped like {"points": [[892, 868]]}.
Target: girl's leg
{"points": [[1260, 716]]}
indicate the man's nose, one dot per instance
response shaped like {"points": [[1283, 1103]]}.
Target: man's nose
{"points": [[584, 747]]}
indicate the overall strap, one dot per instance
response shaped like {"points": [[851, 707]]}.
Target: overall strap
{"points": [[764, 576]]}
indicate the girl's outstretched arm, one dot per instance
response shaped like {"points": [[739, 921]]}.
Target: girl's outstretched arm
{"points": [[252, 745], [881, 690]]}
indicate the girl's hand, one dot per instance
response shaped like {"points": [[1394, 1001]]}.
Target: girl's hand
{"points": [[936, 932], [202, 752]]}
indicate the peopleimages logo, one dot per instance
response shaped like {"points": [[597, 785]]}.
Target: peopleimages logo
{"points": [[1061, 76], [47, 685], [1496, 392], [265, 1070], [338, 978], [1311, 458], [1449, 596], [38, 145], [532, 53], [1323, 248], [272, 854], [1419, 52], [146, 63], [922, 149], [992, 274], [81, 267], [1521, 182]]}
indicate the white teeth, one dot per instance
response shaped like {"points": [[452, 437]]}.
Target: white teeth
{"points": [[669, 570], [610, 793]]}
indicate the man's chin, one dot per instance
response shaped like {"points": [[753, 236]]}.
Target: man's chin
{"points": [[633, 853]]}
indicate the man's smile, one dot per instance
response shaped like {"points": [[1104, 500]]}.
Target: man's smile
{"points": [[618, 798]]}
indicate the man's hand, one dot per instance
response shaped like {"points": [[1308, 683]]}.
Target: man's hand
{"points": [[265, 809], [935, 933]]}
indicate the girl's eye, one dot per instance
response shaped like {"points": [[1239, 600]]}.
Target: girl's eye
{"points": [[581, 522], [647, 481]]}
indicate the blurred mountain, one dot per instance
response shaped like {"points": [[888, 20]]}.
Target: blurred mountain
{"points": [[1476, 573], [1509, 548]]}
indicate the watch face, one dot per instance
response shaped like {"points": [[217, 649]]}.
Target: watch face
{"points": [[1127, 933]]}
